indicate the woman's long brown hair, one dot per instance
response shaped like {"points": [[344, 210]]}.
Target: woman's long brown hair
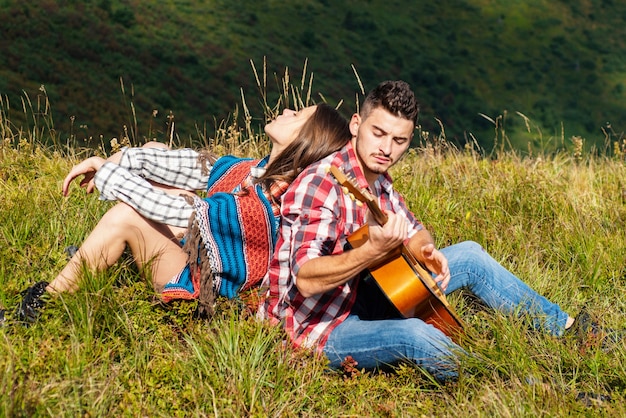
{"points": [[325, 132]]}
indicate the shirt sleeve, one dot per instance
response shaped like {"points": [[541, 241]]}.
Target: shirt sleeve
{"points": [[179, 168], [117, 183], [310, 212]]}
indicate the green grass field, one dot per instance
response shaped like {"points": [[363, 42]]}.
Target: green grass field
{"points": [[111, 349]]}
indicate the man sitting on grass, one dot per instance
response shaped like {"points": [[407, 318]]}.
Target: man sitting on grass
{"points": [[316, 289]]}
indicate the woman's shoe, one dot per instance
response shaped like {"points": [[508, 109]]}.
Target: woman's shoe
{"points": [[32, 302]]}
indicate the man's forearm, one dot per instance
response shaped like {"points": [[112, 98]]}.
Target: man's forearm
{"points": [[325, 273]]}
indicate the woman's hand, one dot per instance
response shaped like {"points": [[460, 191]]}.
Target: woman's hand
{"points": [[87, 169]]}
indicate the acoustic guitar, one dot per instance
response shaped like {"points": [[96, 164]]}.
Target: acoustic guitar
{"points": [[402, 279]]}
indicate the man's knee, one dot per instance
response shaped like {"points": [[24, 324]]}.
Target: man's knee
{"points": [[471, 247], [465, 251]]}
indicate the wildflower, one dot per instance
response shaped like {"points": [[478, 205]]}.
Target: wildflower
{"points": [[115, 146], [578, 147]]}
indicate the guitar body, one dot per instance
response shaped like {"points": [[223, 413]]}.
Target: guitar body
{"points": [[407, 285], [406, 288]]}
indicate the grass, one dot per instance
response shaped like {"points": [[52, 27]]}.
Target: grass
{"points": [[112, 350]]}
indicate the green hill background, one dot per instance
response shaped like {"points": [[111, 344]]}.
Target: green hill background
{"points": [[559, 63]]}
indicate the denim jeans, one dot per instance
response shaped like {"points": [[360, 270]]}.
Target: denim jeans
{"points": [[380, 343]]}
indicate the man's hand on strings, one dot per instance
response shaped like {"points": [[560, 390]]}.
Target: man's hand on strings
{"points": [[388, 237], [437, 263], [423, 248]]}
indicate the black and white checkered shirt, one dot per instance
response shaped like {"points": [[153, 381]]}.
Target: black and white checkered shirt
{"points": [[128, 182]]}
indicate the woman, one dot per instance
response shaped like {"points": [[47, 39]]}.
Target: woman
{"points": [[229, 235]]}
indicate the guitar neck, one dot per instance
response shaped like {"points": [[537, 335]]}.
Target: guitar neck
{"points": [[350, 186], [379, 216]]}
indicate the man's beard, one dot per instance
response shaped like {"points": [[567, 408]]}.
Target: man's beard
{"points": [[376, 168]]}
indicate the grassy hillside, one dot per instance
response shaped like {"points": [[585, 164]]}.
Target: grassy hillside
{"points": [[112, 350], [110, 63]]}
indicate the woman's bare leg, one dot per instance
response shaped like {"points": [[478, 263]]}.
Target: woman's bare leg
{"points": [[152, 244]]}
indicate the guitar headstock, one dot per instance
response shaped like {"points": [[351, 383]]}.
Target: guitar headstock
{"points": [[351, 184], [359, 193]]}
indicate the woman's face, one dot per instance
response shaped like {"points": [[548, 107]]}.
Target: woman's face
{"points": [[284, 129]]}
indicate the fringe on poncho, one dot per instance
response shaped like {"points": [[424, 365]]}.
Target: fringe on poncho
{"points": [[231, 234]]}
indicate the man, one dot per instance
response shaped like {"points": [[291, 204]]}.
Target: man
{"points": [[315, 286]]}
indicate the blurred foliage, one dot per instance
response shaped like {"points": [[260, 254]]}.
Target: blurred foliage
{"points": [[107, 64]]}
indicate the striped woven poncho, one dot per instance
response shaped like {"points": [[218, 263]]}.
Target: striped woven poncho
{"points": [[231, 236]]}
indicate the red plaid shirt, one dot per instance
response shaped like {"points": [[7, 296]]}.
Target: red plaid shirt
{"points": [[317, 218]]}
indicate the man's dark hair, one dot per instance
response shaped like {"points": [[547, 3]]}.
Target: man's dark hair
{"points": [[394, 96]]}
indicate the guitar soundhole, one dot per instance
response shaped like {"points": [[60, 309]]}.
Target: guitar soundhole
{"points": [[371, 303]]}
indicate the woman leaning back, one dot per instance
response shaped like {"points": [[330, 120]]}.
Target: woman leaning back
{"points": [[229, 236]]}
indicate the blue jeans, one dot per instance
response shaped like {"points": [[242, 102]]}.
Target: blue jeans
{"points": [[379, 343]]}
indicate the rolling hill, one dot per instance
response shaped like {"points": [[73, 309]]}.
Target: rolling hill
{"points": [[558, 63]]}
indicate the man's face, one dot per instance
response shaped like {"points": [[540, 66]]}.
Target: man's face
{"points": [[380, 140]]}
